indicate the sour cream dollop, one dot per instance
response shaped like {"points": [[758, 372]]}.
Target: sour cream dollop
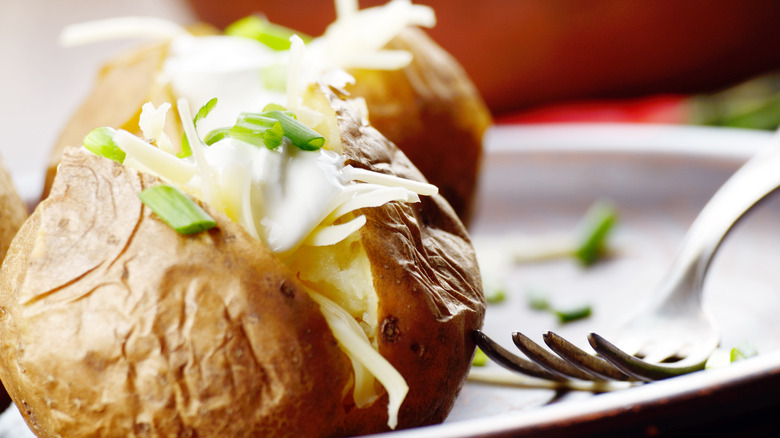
{"points": [[290, 190]]}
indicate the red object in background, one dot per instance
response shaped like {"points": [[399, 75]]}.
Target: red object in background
{"points": [[671, 109], [525, 53]]}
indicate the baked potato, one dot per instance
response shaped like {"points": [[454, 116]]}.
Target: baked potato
{"points": [[115, 324], [428, 107]]}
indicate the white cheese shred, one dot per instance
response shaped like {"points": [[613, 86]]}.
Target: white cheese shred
{"points": [[120, 28], [374, 198], [356, 38], [333, 234], [208, 188], [346, 9], [154, 159], [152, 124], [247, 213], [421, 188], [354, 342], [297, 48]]}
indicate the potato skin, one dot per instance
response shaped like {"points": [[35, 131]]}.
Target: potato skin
{"points": [[433, 112], [114, 325], [426, 275]]}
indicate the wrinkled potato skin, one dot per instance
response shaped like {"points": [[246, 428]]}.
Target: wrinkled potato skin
{"points": [[114, 325], [426, 275], [433, 112], [117, 326]]}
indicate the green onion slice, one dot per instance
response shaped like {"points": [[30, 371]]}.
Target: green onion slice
{"points": [[277, 107], [269, 128], [480, 358], [204, 111], [298, 133], [216, 135], [259, 29], [176, 209], [538, 300], [258, 130], [101, 142], [495, 296], [574, 314], [742, 351], [597, 225]]}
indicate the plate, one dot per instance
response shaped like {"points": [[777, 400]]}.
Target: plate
{"points": [[536, 184]]}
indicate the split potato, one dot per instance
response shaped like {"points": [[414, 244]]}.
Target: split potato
{"points": [[116, 325]]}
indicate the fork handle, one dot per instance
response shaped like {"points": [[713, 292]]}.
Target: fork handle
{"points": [[757, 178]]}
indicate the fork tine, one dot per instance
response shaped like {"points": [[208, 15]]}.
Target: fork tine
{"points": [[636, 367], [583, 360], [549, 361], [510, 361]]}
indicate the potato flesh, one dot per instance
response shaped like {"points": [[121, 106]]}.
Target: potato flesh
{"points": [[342, 273]]}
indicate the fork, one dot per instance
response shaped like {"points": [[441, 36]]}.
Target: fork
{"points": [[672, 334]]}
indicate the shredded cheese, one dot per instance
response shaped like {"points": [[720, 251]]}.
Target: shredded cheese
{"points": [[154, 159], [355, 344], [378, 196], [120, 28], [421, 188], [152, 124], [207, 186], [293, 73], [333, 234]]}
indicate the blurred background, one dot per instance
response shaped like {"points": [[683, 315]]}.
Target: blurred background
{"points": [[535, 61]]}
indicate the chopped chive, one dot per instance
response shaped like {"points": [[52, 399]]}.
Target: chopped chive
{"points": [[186, 150], [176, 209], [480, 358], [300, 134], [269, 128], [101, 142], [258, 134], [277, 107], [256, 120], [216, 135], [574, 314], [259, 29], [204, 111], [496, 296], [597, 225], [537, 300], [742, 351], [274, 77]]}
